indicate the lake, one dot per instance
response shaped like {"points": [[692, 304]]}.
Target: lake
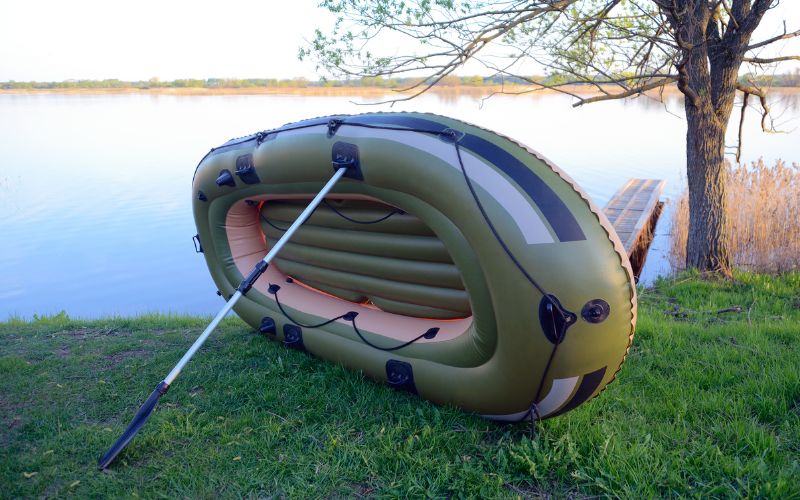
{"points": [[95, 190]]}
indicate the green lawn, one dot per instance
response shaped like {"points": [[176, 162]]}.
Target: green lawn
{"points": [[708, 404]]}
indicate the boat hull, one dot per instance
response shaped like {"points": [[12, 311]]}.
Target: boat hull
{"points": [[469, 214]]}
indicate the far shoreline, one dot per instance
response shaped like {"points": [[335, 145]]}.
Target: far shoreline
{"points": [[388, 93], [378, 94]]}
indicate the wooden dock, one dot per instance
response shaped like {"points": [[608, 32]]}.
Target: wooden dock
{"points": [[633, 211]]}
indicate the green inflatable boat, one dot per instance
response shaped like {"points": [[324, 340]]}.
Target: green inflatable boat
{"points": [[449, 261]]}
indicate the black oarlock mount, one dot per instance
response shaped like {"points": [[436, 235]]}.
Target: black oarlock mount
{"points": [[555, 319], [345, 155], [246, 170], [333, 126]]}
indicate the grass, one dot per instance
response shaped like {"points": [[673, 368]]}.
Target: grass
{"points": [[708, 404], [763, 203]]}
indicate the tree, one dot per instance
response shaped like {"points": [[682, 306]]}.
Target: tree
{"points": [[620, 48]]}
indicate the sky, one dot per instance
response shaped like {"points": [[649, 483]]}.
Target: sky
{"points": [[49, 40]]}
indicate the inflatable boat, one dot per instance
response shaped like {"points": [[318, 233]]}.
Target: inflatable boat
{"points": [[449, 261]]}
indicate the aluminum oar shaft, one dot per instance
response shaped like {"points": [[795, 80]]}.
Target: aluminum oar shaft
{"points": [[146, 409]]}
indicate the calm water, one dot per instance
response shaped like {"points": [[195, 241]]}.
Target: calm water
{"points": [[95, 191]]}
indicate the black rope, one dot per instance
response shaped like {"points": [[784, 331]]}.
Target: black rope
{"points": [[273, 289], [568, 318], [534, 409], [350, 316], [396, 211], [534, 417], [261, 136], [431, 333], [452, 136], [270, 223], [491, 226]]}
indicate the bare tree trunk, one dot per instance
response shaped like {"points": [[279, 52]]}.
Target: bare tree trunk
{"points": [[708, 74], [708, 246]]}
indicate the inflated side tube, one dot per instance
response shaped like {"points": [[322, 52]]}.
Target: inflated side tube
{"points": [[450, 261]]}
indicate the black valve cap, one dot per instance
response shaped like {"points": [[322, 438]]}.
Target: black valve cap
{"points": [[595, 311], [225, 178]]}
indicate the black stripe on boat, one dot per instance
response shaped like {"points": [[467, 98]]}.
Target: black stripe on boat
{"points": [[590, 382], [554, 210]]}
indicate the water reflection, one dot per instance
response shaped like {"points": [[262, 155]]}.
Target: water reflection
{"points": [[95, 202]]}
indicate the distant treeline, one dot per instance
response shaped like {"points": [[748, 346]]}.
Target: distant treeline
{"points": [[244, 83], [785, 80]]}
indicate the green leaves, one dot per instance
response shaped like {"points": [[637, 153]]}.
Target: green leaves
{"points": [[624, 43]]}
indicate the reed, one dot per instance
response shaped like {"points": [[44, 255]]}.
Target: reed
{"points": [[763, 213]]}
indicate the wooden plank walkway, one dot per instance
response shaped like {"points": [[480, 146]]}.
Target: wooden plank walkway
{"points": [[633, 211]]}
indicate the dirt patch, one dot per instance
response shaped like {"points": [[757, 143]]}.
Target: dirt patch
{"points": [[8, 407], [529, 491], [13, 422], [129, 354], [86, 333], [361, 490], [8, 428], [10, 419]]}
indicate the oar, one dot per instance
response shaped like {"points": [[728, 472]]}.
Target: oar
{"points": [[144, 412]]}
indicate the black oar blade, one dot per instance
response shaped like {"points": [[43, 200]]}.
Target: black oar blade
{"points": [[136, 424]]}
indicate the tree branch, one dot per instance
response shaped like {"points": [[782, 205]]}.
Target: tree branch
{"points": [[770, 60], [730, 14], [762, 96], [741, 126], [633, 91], [774, 39]]}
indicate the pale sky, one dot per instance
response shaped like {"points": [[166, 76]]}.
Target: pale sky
{"points": [[54, 40]]}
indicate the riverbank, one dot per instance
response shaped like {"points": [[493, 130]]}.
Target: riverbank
{"points": [[376, 92], [477, 90], [708, 404]]}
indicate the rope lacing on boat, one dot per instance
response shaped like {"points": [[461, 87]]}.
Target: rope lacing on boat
{"points": [[567, 318]]}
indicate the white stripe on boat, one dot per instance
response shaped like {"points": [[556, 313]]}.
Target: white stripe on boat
{"points": [[559, 394], [525, 216]]}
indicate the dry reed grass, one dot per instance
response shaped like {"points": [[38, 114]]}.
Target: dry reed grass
{"points": [[764, 217]]}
